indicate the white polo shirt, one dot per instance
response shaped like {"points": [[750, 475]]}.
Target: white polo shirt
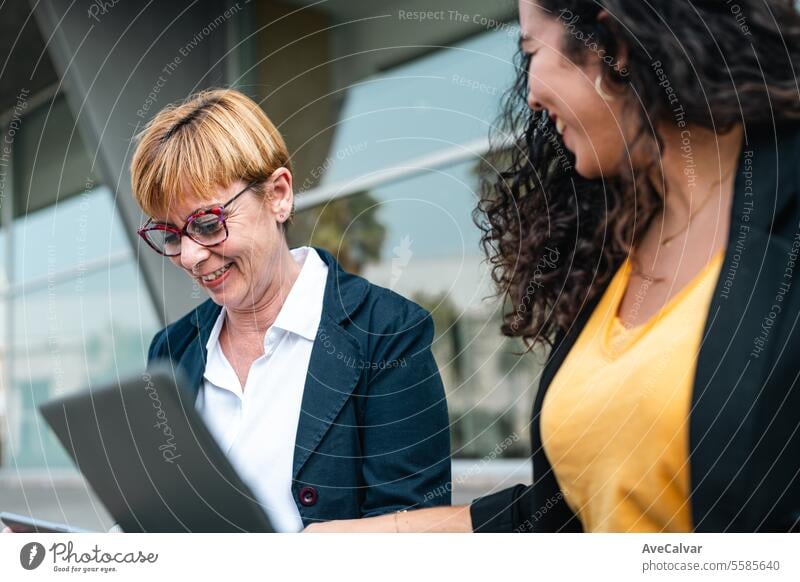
{"points": [[257, 427]]}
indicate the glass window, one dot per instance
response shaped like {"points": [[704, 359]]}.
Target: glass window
{"points": [[74, 309], [67, 336], [4, 280], [449, 97], [67, 235]]}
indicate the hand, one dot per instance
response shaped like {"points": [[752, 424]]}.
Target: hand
{"points": [[380, 524], [323, 527], [434, 520]]}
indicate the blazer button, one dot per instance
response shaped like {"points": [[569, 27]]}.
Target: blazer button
{"points": [[308, 496]]}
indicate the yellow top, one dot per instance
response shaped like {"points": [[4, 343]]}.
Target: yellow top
{"points": [[615, 418]]}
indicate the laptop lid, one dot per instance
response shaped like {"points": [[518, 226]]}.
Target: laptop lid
{"points": [[150, 458]]}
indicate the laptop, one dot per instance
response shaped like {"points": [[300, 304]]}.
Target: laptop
{"points": [[150, 458]]}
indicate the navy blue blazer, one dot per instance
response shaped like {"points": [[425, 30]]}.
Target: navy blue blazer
{"points": [[373, 435]]}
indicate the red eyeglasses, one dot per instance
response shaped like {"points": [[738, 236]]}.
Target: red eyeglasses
{"points": [[205, 227]]}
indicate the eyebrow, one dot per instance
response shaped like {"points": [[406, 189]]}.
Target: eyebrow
{"points": [[192, 213], [202, 208]]}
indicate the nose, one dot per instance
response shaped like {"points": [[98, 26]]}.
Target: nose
{"points": [[533, 102], [192, 253], [533, 93]]}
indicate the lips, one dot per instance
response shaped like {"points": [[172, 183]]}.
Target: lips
{"points": [[213, 276]]}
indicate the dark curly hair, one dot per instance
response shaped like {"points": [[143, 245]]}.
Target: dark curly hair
{"points": [[553, 238]]}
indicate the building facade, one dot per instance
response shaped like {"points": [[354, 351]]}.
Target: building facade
{"points": [[387, 108]]}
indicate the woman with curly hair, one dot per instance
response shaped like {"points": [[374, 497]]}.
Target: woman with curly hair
{"points": [[647, 229]]}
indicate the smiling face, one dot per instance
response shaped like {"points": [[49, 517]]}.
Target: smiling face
{"points": [[592, 128], [239, 272], [219, 137]]}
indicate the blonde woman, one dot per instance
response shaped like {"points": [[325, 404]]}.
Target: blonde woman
{"points": [[269, 354]]}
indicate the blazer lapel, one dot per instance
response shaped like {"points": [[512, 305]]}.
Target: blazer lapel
{"points": [[193, 360], [331, 379]]}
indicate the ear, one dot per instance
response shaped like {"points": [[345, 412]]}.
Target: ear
{"points": [[620, 61], [280, 194]]}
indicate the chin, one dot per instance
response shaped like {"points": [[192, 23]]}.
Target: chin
{"points": [[222, 299], [588, 171], [218, 300], [586, 163]]}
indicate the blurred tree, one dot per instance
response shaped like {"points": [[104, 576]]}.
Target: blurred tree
{"points": [[448, 344], [347, 227]]}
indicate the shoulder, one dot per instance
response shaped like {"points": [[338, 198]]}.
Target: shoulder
{"points": [[782, 143], [389, 312], [371, 308], [176, 336], [794, 155], [775, 174]]}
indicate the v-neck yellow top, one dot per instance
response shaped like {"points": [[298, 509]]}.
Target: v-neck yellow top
{"points": [[615, 419]]}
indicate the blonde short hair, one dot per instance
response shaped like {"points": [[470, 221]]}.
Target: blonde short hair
{"points": [[210, 140]]}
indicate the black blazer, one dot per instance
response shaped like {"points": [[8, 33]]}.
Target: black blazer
{"points": [[744, 425]]}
